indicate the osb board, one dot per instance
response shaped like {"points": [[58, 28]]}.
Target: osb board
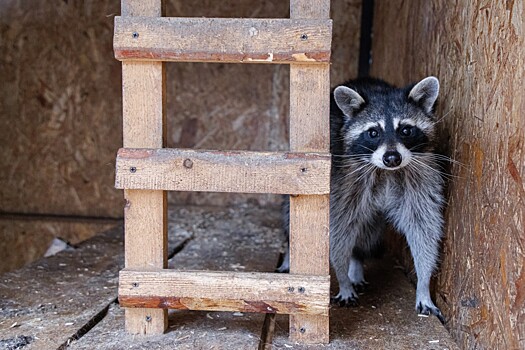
{"points": [[60, 107], [385, 318], [243, 239], [61, 101], [26, 240], [57, 299], [476, 49]]}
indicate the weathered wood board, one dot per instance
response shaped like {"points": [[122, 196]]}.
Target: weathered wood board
{"points": [[232, 40], [57, 299], [476, 50], [225, 291], [223, 171], [385, 318], [246, 238], [26, 239]]}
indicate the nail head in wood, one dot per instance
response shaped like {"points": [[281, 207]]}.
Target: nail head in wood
{"points": [[133, 169], [135, 35], [301, 289], [290, 289], [134, 284], [148, 318], [304, 36], [304, 170], [302, 330], [188, 163]]}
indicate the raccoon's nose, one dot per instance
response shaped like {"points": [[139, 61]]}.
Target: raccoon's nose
{"points": [[392, 159]]}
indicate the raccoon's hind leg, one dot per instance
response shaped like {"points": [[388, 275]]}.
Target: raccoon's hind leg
{"points": [[341, 248], [356, 274]]}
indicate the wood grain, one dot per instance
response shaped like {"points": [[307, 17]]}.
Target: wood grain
{"points": [[145, 214], [219, 171], [223, 40], [225, 291], [309, 215], [476, 50]]}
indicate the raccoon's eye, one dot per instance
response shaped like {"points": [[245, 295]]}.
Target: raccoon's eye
{"points": [[373, 133], [406, 131]]}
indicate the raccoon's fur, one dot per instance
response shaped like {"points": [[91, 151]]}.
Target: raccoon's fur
{"points": [[384, 171]]}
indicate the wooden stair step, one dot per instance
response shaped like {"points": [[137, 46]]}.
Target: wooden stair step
{"points": [[248, 40], [223, 171], [225, 291]]}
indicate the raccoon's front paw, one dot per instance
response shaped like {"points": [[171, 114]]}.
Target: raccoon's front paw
{"points": [[425, 309], [345, 299]]}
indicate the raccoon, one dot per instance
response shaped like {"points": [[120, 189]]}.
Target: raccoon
{"points": [[384, 171]]}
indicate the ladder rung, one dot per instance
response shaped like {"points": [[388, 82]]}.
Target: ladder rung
{"points": [[225, 291], [223, 39], [223, 171]]}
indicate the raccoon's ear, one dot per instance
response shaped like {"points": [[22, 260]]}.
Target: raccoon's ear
{"points": [[348, 100], [425, 93]]}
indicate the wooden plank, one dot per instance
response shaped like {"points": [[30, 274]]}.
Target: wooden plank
{"points": [[143, 99], [309, 215], [225, 291], [248, 40], [220, 171]]}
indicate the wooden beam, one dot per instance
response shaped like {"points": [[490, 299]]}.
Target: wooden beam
{"points": [[145, 214], [235, 40], [225, 291], [219, 171], [309, 215]]}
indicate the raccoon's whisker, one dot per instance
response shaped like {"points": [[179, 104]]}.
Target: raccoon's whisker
{"points": [[439, 157], [422, 166]]}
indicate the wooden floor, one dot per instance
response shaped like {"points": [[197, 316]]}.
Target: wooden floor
{"points": [[70, 300]]}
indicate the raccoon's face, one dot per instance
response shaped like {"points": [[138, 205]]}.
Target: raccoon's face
{"points": [[388, 126]]}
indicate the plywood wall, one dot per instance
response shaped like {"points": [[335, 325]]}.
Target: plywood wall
{"points": [[60, 107], [60, 101], [477, 50]]}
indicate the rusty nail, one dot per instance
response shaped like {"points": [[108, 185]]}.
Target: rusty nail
{"points": [[148, 318], [290, 289], [134, 284], [304, 36], [135, 35], [188, 164], [301, 289], [302, 330], [133, 169]]}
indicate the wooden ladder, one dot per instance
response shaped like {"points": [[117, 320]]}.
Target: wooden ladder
{"points": [[143, 40]]}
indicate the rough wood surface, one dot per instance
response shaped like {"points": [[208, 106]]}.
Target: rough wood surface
{"points": [[26, 239], [476, 50], [385, 318], [246, 238], [145, 214], [309, 215], [225, 291], [219, 171], [231, 40]]}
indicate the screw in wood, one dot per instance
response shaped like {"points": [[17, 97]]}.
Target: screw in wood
{"points": [[188, 164], [148, 318], [304, 36], [302, 330], [301, 289], [133, 169], [134, 284], [290, 289], [135, 35]]}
